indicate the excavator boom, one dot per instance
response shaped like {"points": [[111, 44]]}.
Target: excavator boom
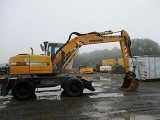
{"points": [[68, 50], [70, 47]]}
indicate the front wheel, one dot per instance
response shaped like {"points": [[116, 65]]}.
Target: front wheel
{"points": [[23, 90], [73, 87]]}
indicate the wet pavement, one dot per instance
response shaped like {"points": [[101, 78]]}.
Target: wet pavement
{"points": [[107, 102]]}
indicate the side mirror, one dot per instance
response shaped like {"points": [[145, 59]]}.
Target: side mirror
{"points": [[42, 47]]}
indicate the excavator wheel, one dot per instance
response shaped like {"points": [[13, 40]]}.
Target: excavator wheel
{"points": [[23, 90], [73, 87], [130, 83]]}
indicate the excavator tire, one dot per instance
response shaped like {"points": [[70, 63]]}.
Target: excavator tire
{"points": [[23, 90], [73, 87]]}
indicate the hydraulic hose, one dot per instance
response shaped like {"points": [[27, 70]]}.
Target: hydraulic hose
{"points": [[128, 44], [78, 34]]}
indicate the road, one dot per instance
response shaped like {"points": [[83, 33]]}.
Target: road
{"points": [[106, 103]]}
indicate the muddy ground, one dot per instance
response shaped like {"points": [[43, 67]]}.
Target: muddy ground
{"points": [[107, 102]]}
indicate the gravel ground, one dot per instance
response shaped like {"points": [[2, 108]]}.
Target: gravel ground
{"points": [[106, 103]]}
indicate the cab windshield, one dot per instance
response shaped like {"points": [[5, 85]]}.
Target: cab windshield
{"points": [[52, 48]]}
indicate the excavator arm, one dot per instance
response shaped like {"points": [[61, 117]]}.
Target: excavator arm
{"points": [[66, 53], [72, 45]]}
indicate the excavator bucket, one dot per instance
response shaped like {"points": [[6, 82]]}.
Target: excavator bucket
{"points": [[130, 82]]}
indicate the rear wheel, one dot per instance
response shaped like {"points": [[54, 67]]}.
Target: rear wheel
{"points": [[23, 90], [73, 87]]}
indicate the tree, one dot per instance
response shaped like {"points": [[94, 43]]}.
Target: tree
{"points": [[95, 57], [144, 46], [139, 47]]}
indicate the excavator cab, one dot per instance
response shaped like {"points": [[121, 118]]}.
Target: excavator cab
{"points": [[50, 49]]}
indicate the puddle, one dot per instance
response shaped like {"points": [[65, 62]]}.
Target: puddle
{"points": [[88, 78], [119, 115], [97, 90], [126, 115], [120, 111], [106, 95], [5, 97], [143, 117], [139, 117], [3, 104], [106, 79], [2, 107], [97, 84], [101, 84], [94, 115]]}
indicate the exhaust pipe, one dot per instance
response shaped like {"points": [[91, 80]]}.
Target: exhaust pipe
{"points": [[31, 50]]}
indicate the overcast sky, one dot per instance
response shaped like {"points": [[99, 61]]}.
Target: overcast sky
{"points": [[27, 23]]}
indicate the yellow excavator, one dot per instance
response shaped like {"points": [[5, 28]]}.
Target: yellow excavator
{"points": [[30, 71]]}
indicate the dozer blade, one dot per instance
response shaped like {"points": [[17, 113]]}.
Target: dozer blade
{"points": [[88, 85], [130, 83]]}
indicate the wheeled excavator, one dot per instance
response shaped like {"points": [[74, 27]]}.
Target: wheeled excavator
{"points": [[30, 71]]}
